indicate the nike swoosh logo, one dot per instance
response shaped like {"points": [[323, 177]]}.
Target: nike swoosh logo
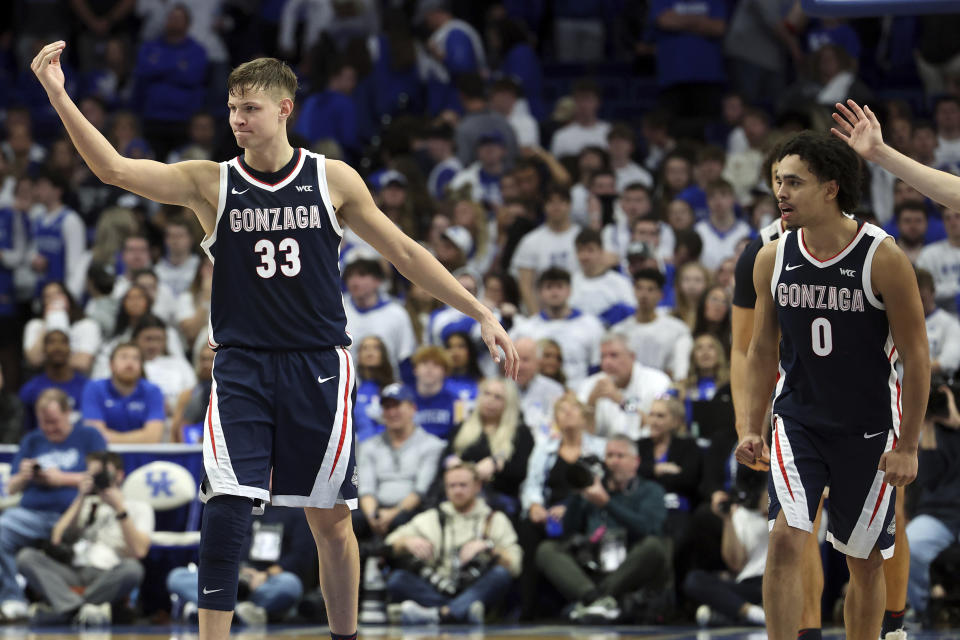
{"points": [[867, 436], [207, 592], [791, 267], [322, 380], [237, 193]]}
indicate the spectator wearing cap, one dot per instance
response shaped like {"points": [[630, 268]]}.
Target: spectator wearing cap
{"points": [[454, 247], [396, 467], [369, 312], [438, 408], [506, 99], [58, 235], [446, 165], [552, 244], [331, 114], [721, 231], [622, 392], [621, 143], [125, 408], [659, 341], [455, 49], [480, 120], [577, 333], [587, 129], [597, 289], [58, 374], [483, 176], [170, 77]]}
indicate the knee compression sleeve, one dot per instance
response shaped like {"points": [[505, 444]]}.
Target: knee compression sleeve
{"points": [[226, 525]]}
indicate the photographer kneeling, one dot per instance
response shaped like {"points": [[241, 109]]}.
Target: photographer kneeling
{"points": [[96, 544], [744, 550], [618, 517], [464, 556]]}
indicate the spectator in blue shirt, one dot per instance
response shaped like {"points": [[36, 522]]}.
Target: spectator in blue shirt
{"points": [[58, 374], [438, 408], [49, 465], [332, 113], [520, 63], [125, 407], [454, 47], [689, 38], [170, 75]]}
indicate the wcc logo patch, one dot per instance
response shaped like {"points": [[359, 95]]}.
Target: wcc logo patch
{"points": [[356, 477]]}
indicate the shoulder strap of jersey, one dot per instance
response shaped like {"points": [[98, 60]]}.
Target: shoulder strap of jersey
{"points": [[771, 232], [778, 263], [876, 235]]}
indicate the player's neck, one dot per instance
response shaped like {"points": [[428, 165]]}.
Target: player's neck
{"points": [[269, 159], [827, 237]]}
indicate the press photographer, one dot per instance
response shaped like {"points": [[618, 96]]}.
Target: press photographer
{"points": [[744, 550], [612, 524], [460, 557], [96, 544], [935, 525]]}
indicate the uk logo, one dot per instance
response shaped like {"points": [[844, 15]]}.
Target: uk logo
{"points": [[159, 485]]}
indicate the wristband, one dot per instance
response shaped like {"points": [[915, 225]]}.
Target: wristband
{"points": [[122, 515]]}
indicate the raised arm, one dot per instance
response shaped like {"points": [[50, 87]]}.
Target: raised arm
{"points": [[354, 203], [761, 363], [860, 129], [194, 184], [895, 281]]}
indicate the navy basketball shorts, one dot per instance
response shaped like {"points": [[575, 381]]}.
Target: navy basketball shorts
{"points": [[860, 511], [279, 428]]}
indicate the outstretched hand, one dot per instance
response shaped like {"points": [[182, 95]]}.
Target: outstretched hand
{"points": [[496, 338], [46, 66], [859, 128]]}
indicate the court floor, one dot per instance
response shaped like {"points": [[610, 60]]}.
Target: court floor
{"points": [[527, 632]]}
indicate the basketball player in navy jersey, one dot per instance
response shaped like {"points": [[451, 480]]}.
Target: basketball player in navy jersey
{"points": [[844, 302], [279, 425], [896, 570]]}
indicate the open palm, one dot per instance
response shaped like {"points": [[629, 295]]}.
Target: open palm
{"points": [[46, 66], [859, 128]]}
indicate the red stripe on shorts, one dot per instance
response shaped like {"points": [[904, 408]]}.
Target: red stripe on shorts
{"points": [[776, 436], [213, 441]]}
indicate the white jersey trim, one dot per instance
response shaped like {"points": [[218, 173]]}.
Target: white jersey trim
{"points": [[325, 192], [235, 162], [778, 264], [211, 237], [878, 236]]}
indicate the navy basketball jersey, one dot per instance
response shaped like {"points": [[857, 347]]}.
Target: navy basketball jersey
{"points": [[837, 356], [276, 279]]}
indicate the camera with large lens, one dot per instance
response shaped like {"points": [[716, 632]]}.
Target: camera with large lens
{"points": [[584, 471], [473, 570], [102, 479], [748, 489], [442, 583], [937, 402]]}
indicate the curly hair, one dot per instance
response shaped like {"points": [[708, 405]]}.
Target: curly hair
{"points": [[829, 158]]}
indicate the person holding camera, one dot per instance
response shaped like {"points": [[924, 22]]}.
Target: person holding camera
{"points": [[49, 465], [96, 544], [743, 546], [936, 522], [464, 556], [612, 524]]}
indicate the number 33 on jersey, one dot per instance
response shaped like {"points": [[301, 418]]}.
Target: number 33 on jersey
{"points": [[836, 349], [275, 249]]}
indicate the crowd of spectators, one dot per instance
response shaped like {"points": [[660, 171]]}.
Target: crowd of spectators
{"points": [[591, 170]]}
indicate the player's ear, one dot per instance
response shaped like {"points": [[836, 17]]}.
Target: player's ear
{"points": [[832, 189], [286, 108]]}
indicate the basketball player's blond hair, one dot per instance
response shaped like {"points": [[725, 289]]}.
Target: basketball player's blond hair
{"points": [[263, 74]]}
